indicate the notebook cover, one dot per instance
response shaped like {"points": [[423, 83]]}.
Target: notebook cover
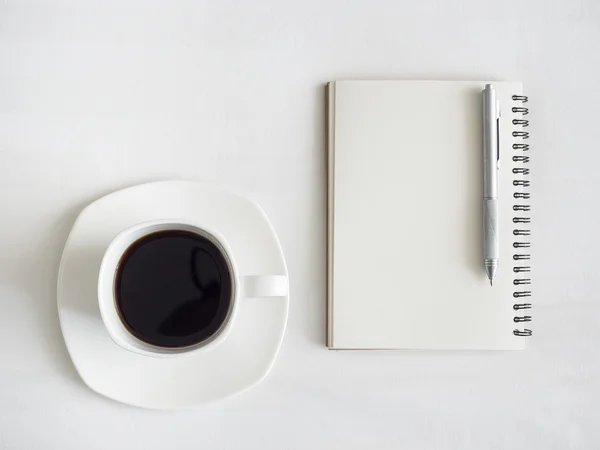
{"points": [[405, 267]]}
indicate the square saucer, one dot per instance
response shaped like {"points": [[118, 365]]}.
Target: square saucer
{"points": [[241, 361]]}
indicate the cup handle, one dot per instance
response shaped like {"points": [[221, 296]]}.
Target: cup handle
{"points": [[255, 286]]}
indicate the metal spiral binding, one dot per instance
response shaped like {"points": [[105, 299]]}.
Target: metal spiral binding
{"points": [[520, 183]]}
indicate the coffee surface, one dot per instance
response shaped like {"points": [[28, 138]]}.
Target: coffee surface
{"points": [[173, 289]]}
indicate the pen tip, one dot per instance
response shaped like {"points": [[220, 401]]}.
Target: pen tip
{"points": [[491, 283]]}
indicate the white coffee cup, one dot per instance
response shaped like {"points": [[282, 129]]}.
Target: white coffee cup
{"points": [[243, 286]]}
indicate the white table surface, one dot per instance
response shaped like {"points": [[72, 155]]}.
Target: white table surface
{"points": [[99, 95]]}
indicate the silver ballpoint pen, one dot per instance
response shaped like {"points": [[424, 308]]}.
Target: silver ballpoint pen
{"points": [[491, 160]]}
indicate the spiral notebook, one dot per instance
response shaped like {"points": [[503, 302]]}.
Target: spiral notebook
{"points": [[405, 179]]}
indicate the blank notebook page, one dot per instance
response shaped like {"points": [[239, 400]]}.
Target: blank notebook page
{"points": [[405, 261]]}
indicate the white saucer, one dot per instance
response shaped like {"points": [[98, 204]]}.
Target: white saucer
{"points": [[237, 364]]}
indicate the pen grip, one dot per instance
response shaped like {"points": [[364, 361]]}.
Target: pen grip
{"points": [[491, 244]]}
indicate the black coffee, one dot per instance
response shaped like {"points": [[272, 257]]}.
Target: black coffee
{"points": [[173, 288]]}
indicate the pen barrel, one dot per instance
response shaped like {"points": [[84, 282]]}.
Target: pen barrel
{"points": [[490, 143], [491, 243]]}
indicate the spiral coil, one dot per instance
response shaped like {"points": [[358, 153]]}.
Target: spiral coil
{"points": [[520, 258]]}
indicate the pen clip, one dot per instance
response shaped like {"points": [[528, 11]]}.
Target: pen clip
{"points": [[498, 134]]}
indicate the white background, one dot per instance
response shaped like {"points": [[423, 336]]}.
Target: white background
{"points": [[95, 96]]}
